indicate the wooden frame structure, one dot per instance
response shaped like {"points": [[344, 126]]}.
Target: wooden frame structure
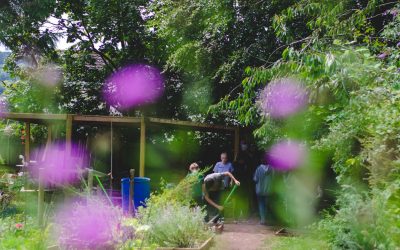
{"points": [[143, 122]]}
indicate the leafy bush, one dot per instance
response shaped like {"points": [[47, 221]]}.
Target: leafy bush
{"points": [[365, 220], [170, 218], [178, 226], [16, 233], [88, 223], [10, 185]]}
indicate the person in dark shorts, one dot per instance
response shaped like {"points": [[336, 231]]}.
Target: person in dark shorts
{"points": [[212, 186]]}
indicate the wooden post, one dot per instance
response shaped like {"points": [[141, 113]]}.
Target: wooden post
{"points": [[48, 142], [237, 142], [90, 182], [40, 198], [68, 135], [27, 141], [131, 190], [142, 146]]}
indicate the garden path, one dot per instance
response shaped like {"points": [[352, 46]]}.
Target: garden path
{"points": [[243, 236]]}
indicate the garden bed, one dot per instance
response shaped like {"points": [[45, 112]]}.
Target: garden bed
{"points": [[205, 246]]}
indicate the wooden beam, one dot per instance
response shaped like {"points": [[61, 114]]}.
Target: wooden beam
{"points": [[48, 142], [189, 124], [142, 147], [35, 117], [27, 141], [237, 142], [106, 119], [68, 135], [47, 118]]}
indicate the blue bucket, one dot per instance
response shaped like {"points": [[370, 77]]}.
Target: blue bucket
{"points": [[141, 192]]}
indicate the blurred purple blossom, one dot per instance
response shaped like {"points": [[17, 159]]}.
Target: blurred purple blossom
{"points": [[49, 76], [382, 56], [133, 85], [89, 223], [58, 167], [287, 155], [3, 106], [398, 45], [283, 97], [394, 12]]}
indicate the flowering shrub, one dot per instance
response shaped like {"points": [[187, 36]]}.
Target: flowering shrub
{"points": [[18, 234], [170, 220], [177, 226], [10, 185], [88, 224]]}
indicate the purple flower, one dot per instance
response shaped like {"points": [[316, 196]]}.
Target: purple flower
{"points": [[398, 45], [87, 224], [393, 12], [133, 85], [49, 76], [3, 106], [287, 155], [282, 98], [57, 166], [382, 56]]}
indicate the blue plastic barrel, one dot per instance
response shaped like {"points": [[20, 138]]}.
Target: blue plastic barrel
{"points": [[141, 192], [125, 194]]}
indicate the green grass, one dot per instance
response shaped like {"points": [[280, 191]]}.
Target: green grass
{"points": [[296, 243]]}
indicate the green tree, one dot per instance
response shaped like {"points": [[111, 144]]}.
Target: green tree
{"points": [[347, 58], [211, 42]]}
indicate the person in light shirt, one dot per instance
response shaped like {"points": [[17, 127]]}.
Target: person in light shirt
{"points": [[222, 167]]}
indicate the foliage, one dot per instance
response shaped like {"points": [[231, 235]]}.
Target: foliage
{"points": [[181, 193], [347, 58], [103, 37], [16, 233], [3, 75], [10, 186], [171, 220], [365, 220], [178, 226], [213, 41], [133, 235]]}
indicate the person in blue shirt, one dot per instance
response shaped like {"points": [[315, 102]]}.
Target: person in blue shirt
{"points": [[263, 180], [222, 167]]}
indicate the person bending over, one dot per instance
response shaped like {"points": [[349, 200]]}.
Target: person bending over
{"points": [[212, 186]]}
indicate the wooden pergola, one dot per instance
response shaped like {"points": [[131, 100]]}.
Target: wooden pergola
{"points": [[69, 119]]}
